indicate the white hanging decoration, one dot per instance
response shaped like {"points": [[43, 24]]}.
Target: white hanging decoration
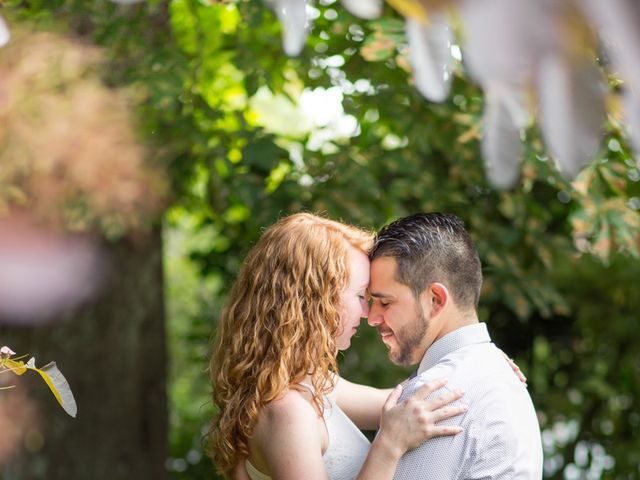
{"points": [[430, 56], [631, 110], [618, 22], [5, 35], [572, 111], [502, 148], [366, 9], [504, 39], [292, 15], [527, 45]]}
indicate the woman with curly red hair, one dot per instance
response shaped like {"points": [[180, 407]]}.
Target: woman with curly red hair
{"points": [[283, 410]]}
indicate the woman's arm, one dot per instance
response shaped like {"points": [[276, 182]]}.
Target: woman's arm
{"points": [[289, 433], [361, 403], [406, 425]]}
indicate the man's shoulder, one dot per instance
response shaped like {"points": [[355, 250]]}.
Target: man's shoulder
{"points": [[470, 363], [485, 376], [501, 432]]}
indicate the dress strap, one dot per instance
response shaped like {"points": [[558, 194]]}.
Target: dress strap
{"points": [[307, 386], [254, 473]]}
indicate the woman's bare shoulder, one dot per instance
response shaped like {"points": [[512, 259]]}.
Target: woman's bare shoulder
{"points": [[289, 437], [292, 406]]}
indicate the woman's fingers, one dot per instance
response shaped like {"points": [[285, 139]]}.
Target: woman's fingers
{"points": [[440, 406], [447, 412], [515, 368], [517, 371], [429, 387], [392, 399], [412, 421], [436, 409], [444, 399], [440, 431]]}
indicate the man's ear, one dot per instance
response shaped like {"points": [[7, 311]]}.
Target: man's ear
{"points": [[437, 296]]}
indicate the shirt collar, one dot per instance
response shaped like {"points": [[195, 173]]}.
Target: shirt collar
{"points": [[462, 337]]}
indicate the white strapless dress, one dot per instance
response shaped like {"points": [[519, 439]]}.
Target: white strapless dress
{"points": [[347, 449]]}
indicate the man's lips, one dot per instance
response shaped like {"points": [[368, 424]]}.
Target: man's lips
{"points": [[385, 334]]}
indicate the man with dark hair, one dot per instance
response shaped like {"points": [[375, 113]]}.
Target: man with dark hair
{"points": [[425, 285]]}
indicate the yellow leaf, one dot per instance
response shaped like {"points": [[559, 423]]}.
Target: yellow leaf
{"points": [[472, 133], [16, 367], [50, 374], [410, 8], [58, 386]]}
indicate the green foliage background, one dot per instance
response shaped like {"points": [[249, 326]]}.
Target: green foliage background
{"points": [[560, 260]]}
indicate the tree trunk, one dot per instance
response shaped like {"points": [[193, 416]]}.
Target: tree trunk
{"points": [[113, 353]]}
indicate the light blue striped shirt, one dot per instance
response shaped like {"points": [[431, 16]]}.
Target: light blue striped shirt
{"points": [[501, 437]]}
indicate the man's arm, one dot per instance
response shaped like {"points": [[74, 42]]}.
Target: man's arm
{"points": [[407, 424], [441, 457]]}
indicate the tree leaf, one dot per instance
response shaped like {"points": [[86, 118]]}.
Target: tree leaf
{"points": [[15, 366], [410, 9], [50, 374], [58, 385], [378, 47]]}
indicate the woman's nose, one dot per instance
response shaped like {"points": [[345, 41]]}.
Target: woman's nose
{"points": [[364, 305]]}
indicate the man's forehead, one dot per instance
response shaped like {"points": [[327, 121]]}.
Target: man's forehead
{"points": [[382, 267], [383, 276]]}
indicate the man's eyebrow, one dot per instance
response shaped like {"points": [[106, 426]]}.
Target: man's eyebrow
{"points": [[379, 295]]}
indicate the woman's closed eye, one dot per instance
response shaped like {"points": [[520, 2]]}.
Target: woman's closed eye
{"points": [[364, 300]]}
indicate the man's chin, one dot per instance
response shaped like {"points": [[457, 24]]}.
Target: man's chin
{"points": [[403, 359], [398, 359]]}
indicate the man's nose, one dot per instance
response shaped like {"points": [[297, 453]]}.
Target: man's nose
{"points": [[374, 319]]}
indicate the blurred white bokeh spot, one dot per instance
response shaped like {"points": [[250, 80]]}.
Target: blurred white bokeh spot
{"points": [[43, 272], [4, 32]]}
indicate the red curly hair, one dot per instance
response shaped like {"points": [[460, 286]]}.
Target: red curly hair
{"points": [[279, 325]]}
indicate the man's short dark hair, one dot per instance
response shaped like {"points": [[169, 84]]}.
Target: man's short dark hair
{"points": [[433, 247]]}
